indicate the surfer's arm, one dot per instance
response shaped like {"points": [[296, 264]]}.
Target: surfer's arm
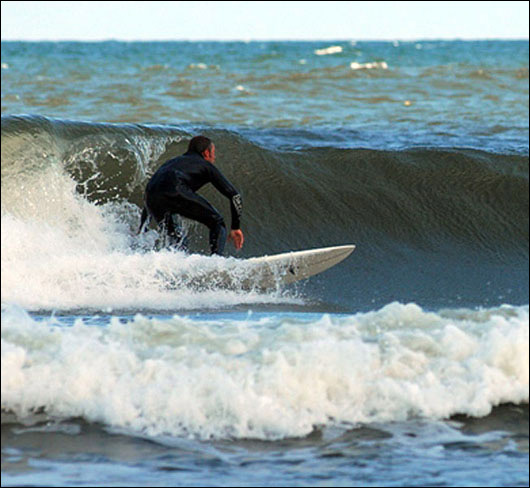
{"points": [[236, 208], [229, 191]]}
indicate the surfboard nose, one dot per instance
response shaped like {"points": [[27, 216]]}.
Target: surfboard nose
{"points": [[341, 251]]}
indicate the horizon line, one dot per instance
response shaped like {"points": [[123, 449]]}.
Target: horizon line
{"points": [[397, 39]]}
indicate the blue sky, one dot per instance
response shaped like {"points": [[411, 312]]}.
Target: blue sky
{"points": [[313, 20]]}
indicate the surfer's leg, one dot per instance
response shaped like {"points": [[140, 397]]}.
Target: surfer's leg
{"points": [[194, 207], [200, 210], [218, 238]]}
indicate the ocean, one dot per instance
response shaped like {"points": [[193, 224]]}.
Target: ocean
{"points": [[405, 365]]}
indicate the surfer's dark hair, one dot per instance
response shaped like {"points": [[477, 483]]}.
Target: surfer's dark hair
{"points": [[199, 144]]}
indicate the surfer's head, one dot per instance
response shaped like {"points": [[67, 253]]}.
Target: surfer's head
{"points": [[204, 146]]}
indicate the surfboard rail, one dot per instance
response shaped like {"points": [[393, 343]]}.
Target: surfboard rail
{"points": [[267, 272], [289, 267]]}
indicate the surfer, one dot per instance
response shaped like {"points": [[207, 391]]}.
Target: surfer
{"points": [[171, 191]]}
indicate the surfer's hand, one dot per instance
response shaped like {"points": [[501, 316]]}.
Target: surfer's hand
{"points": [[237, 238]]}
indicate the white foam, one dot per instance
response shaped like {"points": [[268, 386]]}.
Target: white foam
{"points": [[198, 66], [266, 378], [328, 50], [61, 252], [375, 65]]}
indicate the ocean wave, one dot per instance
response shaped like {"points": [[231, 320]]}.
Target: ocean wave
{"points": [[72, 194], [265, 378], [419, 196]]}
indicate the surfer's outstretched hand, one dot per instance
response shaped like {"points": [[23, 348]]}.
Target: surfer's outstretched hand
{"points": [[237, 238]]}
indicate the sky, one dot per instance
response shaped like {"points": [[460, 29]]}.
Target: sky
{"points": [[270, 20]]}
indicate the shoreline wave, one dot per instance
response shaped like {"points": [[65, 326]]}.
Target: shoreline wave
{"points": [[266, 378]]}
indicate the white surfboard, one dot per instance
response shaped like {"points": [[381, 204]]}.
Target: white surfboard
{"points": [[267, 272]]}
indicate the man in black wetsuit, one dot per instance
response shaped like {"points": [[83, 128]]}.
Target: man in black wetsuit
{"points": [[172, 190]]}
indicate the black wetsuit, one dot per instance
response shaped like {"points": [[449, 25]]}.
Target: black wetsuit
{"points": [[171, 190]]}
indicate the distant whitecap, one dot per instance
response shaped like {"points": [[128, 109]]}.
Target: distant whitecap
{"points": [[328, 50], [375, 65]]}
